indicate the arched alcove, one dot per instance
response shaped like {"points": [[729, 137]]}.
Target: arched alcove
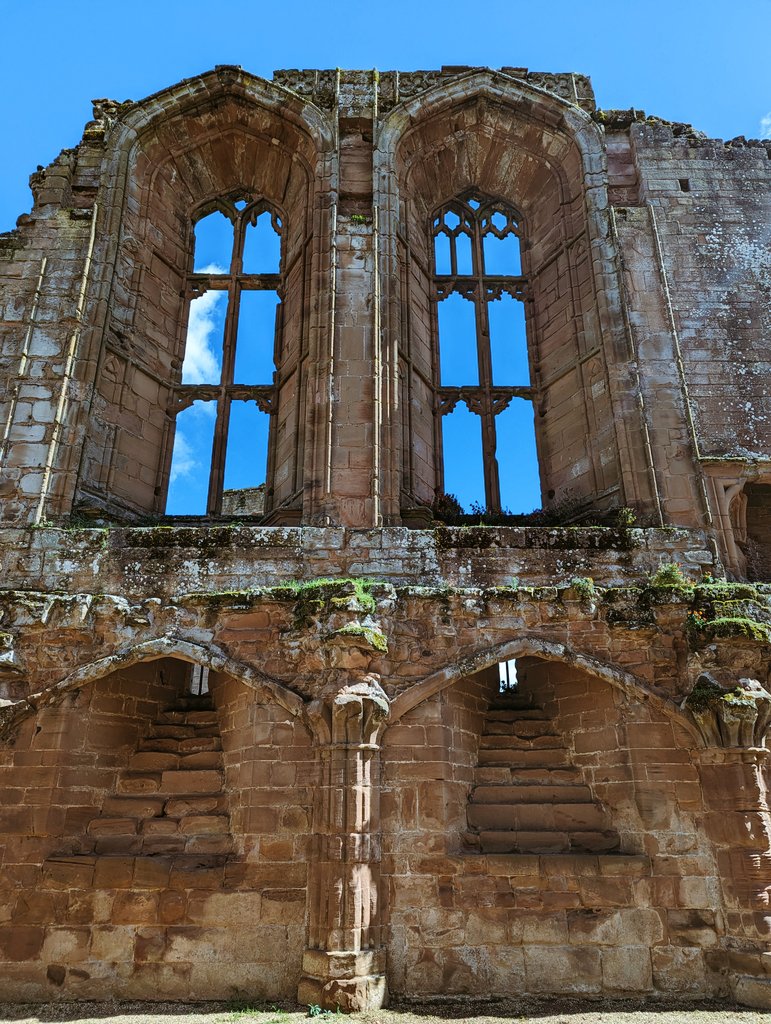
{"points": [[529, 833], [544, 158], [166, 818], [229, 141]]}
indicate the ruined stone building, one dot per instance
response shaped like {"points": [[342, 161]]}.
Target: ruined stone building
{"points": [[300, 696]]}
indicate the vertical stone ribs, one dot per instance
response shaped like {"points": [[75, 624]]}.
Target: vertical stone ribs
{"points": [[527, 796], [170, 799]]}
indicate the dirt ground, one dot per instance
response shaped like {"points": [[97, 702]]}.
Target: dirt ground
{"points": [[510, 1011]]}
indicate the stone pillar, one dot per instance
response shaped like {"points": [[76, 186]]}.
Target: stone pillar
{"points": [[734, 769], [344, 964]]}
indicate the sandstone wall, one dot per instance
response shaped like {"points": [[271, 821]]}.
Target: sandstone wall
{"points": [[271, 757]]}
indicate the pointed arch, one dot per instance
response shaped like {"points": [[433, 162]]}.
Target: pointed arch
{"points": [[547, 650], [153, 649], [225, 134], [545, 157]]}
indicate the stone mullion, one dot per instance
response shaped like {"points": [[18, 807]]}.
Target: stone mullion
{"points": [[201, 282]]}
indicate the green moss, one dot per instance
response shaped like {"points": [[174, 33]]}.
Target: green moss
{"points": [[729, 610], [311, 597], [373, 637], [225, 598], [669, 594], [741, 610], [727, 628], [721, 590], [739, 696], [507, 592], [669, 574], [346, 594], [6, 641], [585, 588], [703, 695]]}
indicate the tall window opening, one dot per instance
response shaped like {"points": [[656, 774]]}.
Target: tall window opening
{"points": [[485, 418], [222, 406]]}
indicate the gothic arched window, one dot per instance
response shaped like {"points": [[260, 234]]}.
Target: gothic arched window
{"points": [[222, 405], [485, 421]]}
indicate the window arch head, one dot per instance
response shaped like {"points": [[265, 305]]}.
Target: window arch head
{"points": [[484, 386], [477, 236], [237, 236], [221, 408]]}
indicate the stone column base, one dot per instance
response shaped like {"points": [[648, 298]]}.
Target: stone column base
{"points": [[750, 976], [343, 981]]}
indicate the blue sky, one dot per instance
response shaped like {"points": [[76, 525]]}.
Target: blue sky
{"points": [[705, 62]]}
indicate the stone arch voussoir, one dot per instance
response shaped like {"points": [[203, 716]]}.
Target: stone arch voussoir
{"points": [[167, 646], [547, 650], [219, 83], [410, 114]]}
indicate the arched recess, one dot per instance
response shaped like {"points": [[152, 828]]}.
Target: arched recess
{"points": [[546, 650], [545, 158], [740, 495], [481, 790], [146, 804], [226, 136], [628, 747], [189, 651]]}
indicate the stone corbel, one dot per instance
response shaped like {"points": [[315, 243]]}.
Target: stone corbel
{"points": [[730, 718], [355, 715]]}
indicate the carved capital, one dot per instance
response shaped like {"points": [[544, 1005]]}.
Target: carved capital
{"points": [[737, 717], [354, 716]]}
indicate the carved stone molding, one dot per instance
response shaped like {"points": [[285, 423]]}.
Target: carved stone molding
{"points": [[730, 718], [354, 716]]}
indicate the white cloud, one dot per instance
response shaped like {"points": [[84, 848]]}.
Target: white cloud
{"points": [[183, 460], [765, 126], [202, 363]]}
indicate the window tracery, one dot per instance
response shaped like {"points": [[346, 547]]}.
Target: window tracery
{"points": [[223, 403], [484, 394]]}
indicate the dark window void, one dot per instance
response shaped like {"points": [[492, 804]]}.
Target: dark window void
{"points": [[222, 405], [758, 542], [484, 393]]}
